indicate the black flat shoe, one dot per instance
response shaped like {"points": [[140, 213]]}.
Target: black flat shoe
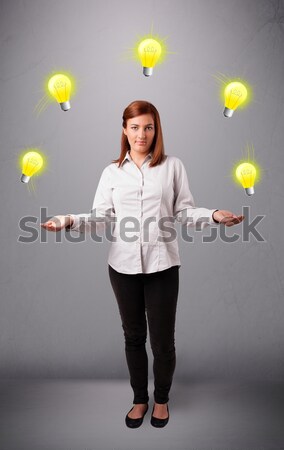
{"points": [[134, 423], [159, 423]]}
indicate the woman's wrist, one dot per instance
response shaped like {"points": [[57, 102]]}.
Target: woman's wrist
{"points": [[69, 219], [216, 221]]}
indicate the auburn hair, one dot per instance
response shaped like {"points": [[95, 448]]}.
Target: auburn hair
{"points": [[137, 108]]}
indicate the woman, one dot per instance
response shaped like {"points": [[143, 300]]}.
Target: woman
{"points": [[148, 189]]}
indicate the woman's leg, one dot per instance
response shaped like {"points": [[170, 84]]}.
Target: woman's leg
{"points": [[161, 294], [129, 293]]}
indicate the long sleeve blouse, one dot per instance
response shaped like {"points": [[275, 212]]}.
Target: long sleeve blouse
{"points": [[142, 205]]}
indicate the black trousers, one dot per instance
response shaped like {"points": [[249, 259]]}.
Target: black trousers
{"points": [[152, 296]]}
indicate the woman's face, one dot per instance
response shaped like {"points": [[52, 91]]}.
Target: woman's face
{"points": [[140, 132]]}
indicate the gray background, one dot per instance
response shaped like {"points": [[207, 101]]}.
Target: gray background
{"points": [[58, 314]]}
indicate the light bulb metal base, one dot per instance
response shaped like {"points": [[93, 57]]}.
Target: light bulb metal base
{"points": [[228, 112], [249, 191], [147, 71], [65, 106], [25, 178]]}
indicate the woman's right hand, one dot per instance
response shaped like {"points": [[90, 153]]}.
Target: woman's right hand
{"points": [[57, 223]]}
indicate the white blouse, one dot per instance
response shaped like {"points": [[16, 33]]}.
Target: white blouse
{"points": [[142, 206]]}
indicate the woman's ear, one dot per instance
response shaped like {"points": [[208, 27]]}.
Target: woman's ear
{"points": [[124, 130]]}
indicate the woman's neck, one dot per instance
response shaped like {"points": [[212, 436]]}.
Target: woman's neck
{"points": [[138, 158]]}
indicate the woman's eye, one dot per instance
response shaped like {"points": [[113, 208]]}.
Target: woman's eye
{"points": [[133, 128], [150, 128]]}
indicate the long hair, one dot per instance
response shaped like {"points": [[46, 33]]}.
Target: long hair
{"points": [[137, 108]]}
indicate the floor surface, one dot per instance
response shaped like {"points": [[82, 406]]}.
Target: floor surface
{"points": [[89, 415]]}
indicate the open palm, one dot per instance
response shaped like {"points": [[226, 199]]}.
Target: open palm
{"points": [[227, 217]]}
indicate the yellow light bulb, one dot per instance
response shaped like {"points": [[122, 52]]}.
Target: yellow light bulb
{"points": [[235, 94], [32, 163], [149, 51], [59, 87], [246, 173]]}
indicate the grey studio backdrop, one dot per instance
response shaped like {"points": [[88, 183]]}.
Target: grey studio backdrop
{"points": [[58, 315]]}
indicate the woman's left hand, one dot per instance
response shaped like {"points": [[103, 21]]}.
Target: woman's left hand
{"points": [[227, 217]]}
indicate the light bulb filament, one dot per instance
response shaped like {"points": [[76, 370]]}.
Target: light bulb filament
{"points": [[150, 54], [236, 92], [234, 98], [150, 49], [59, 86], [31, 162], [247, 177]]}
